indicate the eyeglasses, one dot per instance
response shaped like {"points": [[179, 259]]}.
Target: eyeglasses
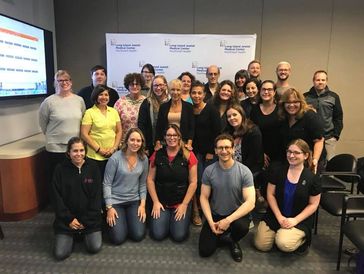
{"points": [[63, 80], [171, 135], [293, 103], [212, 74], [146, 72], [223, 147], [295, 153], [267, 89], [158, 85]]}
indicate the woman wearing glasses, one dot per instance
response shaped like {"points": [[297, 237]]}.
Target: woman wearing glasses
{"points": [[293, 195], [148, 112], [128, 106], [172, 182], [59, 118], [301, 121]]}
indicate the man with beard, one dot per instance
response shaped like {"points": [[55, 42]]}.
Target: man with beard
{"points": [[328, 106], [98, 77], [283, 72], [212, 75]]}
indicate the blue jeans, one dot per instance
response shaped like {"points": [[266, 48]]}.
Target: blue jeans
{"points": [[64, 243], [166, 224], [128, 224]]}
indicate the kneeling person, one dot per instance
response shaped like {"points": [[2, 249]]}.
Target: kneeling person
{"points": [[231, 187]]}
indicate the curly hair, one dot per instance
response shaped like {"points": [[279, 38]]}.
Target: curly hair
{"points": [[130, 77]]}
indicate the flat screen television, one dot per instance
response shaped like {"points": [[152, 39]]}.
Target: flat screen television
{"points": [[26, 60]]}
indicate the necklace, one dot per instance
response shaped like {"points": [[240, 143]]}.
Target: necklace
{"points": [[132, 162]]}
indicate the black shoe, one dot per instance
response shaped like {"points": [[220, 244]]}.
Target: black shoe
{"points": [[302, 250], [236, 252]]}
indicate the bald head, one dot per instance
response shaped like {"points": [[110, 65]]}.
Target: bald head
{"points": [[213, 74]]}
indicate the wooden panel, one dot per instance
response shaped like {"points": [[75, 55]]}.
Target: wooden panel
{"points": [[23, 187]]}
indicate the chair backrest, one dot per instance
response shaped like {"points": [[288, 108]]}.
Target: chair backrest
{"points": [[342, 163]]}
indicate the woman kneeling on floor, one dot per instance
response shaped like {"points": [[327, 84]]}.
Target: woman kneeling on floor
{"points": [[293, 196], [76, 197]]}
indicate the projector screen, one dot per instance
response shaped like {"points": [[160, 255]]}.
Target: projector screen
{"points": [[26, 59]]}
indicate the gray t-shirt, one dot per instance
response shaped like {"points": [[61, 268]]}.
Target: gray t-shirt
{"points": [[227, 186]]}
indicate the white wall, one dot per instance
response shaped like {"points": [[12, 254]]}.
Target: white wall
{"points": [[19, 118]]}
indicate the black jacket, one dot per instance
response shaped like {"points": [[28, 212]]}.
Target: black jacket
{"points": [[187, 123], [76, 193], [145, 125], [328, 106], [308, 185]]}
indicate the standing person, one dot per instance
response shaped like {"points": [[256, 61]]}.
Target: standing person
{"points": [[293, 195], [59, 118], [328, 106], [101, 128], [212, 75], [148, 73], [187, 79], [227, 198], [178, 112], [283, 72], [265, 116], [98, 77], [128, 106], [125, 189], [251, 89], [241, 77], [300, 121], [207, 127], [224, 97], [149, 109], [172, 182], [76, 198], [254, 69]]}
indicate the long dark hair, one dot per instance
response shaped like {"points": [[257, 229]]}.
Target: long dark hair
{"points": [[72, 141], [245, 125]]}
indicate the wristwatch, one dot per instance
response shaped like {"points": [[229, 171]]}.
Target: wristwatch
{"points": [[108, 207]]}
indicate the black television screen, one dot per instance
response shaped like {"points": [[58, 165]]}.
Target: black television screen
{"points": [[26, 59]]}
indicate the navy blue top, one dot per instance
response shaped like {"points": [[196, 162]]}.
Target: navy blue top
{"points": [[289, 192]]}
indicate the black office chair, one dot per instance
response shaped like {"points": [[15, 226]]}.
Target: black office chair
{"points": [[352, 207], [337, 180]]}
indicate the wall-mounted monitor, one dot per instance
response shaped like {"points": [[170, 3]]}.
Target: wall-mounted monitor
{"points": [[26, 60]]}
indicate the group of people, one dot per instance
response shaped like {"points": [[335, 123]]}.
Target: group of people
{"points": [[168, 150]]}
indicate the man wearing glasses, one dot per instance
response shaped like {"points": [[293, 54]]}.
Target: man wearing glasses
{"points": [[212, 75], [227, 198]]}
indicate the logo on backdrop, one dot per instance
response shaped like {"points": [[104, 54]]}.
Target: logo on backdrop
{"points": [[234, 48], [124, 47], [178, 48]]}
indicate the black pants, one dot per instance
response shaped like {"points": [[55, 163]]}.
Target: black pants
{"points": [[209, 241], [54, 158]]}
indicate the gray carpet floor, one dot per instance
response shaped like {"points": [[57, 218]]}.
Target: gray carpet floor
{"points": [[27, 249]]}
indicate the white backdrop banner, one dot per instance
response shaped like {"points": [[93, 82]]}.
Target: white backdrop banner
{"points": [[172, 54]]}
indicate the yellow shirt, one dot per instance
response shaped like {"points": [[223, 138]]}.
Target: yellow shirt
{"points": [[103, 129]]}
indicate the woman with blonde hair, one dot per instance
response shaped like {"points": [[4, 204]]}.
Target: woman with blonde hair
{"points": [[149, 109], [125, 189], [178, 112], [302, 122]]}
